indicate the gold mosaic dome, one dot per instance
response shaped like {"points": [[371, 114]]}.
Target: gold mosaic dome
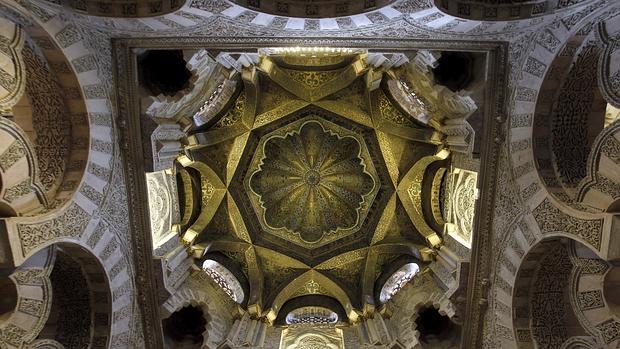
{"points": [[312, 181]]}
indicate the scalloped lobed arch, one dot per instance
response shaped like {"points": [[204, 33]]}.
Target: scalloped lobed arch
{"points": [[558, 299], [62, 299], [569, 115], [553, 214], [89, 162], [50, 113]]}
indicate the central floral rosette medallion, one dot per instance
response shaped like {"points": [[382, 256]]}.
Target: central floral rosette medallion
{"points": [[312, 182]]}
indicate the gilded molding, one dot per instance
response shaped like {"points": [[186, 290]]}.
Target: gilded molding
{"points": [[410, 193]]}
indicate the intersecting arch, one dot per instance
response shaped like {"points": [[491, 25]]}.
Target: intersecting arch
{"points": [[313, 282]]}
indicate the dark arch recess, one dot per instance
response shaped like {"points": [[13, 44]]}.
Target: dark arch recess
{"points": [[185, 328], [81, 300], [8, 301], [163, 72], [541, 295], [435, 328], [310, 300], [569, 115], [189, 190], [455, 70]]}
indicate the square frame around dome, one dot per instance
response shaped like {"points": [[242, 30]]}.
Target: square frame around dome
{"points": [[124, 52], [361, 231]]}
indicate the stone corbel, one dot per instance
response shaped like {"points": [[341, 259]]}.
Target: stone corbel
{"points": [[246, 332], [208, 75], [444, 267], [455, 106], [373, 79], [166, 143], [374, 331], [244, 60], [172, 269], [228, 62], [378, 63], [413, 88], [426, 59], [459, 135], [386, 61]]}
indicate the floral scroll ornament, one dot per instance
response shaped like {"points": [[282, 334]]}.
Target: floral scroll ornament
{"points": [[312, 182]]}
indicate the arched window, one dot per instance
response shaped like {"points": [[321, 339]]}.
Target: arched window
{"points": [[398, 280], [225, 279], [311, 315]]}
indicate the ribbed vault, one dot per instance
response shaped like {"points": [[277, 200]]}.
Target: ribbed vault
{"points": [[313, 175]]}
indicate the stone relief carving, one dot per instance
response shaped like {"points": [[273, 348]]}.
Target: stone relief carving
{"points": [[163, 205], [71, 223], [49, 118], [489, 11], [581, 342], [608, 72], [205, 75], [22, 190], [547, 306], [130, 9], [600, 177], [113, 206], [312, 337], [551, 219], [34, 300], [202, 15], [12, 66], [459, 214]]}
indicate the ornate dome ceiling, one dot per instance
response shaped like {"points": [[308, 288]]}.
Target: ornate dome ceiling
{"points": [[313, 180], [307, 174], [293, 187]]}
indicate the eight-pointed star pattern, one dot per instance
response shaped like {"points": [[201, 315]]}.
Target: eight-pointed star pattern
{"points": [[302, 185]]}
